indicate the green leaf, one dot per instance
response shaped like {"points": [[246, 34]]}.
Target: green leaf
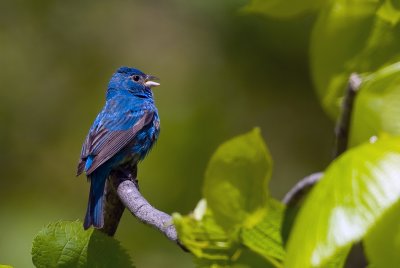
{"points": [[265, 237], [355, 191], [67, 244], [205, 238], [212, 246], [235, 225], [377, 106], [382, 244], [236, 180], [246, 259], [249, 259], [5, 266], [105, 251], [283, 8], [352, 36]]}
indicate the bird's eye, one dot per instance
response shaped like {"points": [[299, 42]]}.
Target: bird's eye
{"points": [[136, 78]]}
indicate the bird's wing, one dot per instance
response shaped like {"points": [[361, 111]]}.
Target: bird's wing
{"points": [[103, 142]]}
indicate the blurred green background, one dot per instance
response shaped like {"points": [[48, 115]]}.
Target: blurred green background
{"points": [[223, 71]]}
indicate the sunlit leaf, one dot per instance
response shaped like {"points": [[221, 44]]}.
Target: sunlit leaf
{"points": [[377, 108], [354, 193], [212, 246], [246, 259], [283, 8], [265, 237], [67, 244], [352, 36], [382, 244], [236, 180], [202, 236]]}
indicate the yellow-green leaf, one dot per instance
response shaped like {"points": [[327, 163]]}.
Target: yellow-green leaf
{"points": [[236, 180], [377, 106], [265, 237], [355, 191], [382, 244], [352, 36]]}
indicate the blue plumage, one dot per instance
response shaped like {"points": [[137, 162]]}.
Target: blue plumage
{"points": [[122, 134]]}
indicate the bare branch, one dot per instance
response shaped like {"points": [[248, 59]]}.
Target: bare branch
{"points": [[122, 190], [342, 128], [130, 196], [301, 188]]}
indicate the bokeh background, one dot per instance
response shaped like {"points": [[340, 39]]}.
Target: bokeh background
{"points": [[223, 71]]}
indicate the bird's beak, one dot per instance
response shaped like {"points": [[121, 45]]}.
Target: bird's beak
{"points": [[149, 81]]}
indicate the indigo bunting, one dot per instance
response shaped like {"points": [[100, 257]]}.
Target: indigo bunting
{"points": [[122, 134]]}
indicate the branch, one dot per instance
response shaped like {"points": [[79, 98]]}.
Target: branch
{"points": [[128, 192], [122, 190], [342, 130], [301, 188]]}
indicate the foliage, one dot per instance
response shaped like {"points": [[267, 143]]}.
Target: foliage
{"points": [[356, 190], [377, 106], [240, 169], [237, 223], [66, 244], [236, 214], [386, 232], [352, 36], [359, 191]]}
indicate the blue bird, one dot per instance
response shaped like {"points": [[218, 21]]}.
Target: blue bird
{"points": [[122, 134]]}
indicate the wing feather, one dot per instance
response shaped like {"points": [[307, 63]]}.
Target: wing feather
{"points": [[103, 143]]}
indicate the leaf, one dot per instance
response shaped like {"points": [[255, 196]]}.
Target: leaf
{"points": [[246, 259], [289, 217], [5, 266], [355, 191], [211, 245], [283, 8], [67, 244], [382, 244], [205, 238], [249, 259], [236, 180], [265, 237], [105, 251], [236, 211], [377, 106], [352, 36]]}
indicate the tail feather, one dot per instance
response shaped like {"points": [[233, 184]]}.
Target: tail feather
{"points": [[94, 212]]}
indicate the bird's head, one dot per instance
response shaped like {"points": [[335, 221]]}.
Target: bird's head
{"points": [[133, 81]]}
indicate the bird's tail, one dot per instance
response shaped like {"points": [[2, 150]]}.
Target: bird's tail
{"points": [[94, 212]]}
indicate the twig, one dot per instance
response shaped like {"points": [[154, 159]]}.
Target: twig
{"points": [[342, 128], [301, 188], [342, 131]]}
